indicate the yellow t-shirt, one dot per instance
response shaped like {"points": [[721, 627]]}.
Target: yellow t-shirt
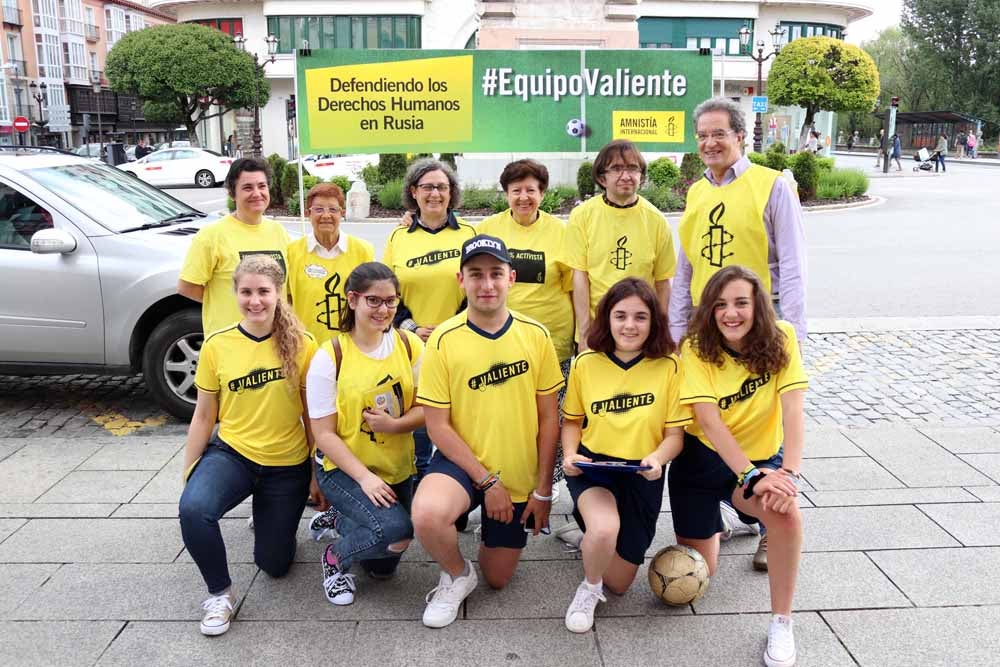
{"points": [[489, 382], [610, 243], [317, 284], [625, 407], [543, 280], [426, 264], [364, 383], [750, 405], [215, 252], [260, 415], [724, 225]]}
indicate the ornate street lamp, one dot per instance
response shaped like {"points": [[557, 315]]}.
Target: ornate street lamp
{"points": [[41, 95], [777, 35], [95, 81], [272, 49]]}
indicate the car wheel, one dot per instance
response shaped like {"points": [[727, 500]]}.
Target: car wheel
{"points": [[204, 179], [170, 359]]}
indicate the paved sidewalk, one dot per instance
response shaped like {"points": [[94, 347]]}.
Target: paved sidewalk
{"points": [[900, 563]]}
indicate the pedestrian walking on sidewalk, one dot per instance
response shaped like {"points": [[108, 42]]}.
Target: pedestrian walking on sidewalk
{"points": [[897, 151], [939, 151]]}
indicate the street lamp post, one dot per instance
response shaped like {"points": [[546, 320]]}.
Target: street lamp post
{"points": [[135, 137], [272, 48], [95, 80], [40, 94], [776, 35]]}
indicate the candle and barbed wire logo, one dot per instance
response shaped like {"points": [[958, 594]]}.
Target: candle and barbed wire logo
{"points": [[332, 304], [621, 256], [715, 249]]}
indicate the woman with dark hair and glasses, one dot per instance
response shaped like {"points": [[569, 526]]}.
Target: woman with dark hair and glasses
{"points": [[744, 380], [621, 406], [424, 254], [361, 386]]}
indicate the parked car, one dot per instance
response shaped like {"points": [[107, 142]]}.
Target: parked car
{"points": [[89, 150], [181, 166], [176, 143], [327, 166], [90, 258]]}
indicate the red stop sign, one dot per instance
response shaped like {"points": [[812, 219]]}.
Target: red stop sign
{"points": [[21, 124]]}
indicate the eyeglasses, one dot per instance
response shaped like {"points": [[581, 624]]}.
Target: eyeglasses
{"points": [[428, 188], [376, 301], [619, 169], [717, 135], [319, 210]]}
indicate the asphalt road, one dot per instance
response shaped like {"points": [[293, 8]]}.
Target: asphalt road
{"points": [[929, 250]]}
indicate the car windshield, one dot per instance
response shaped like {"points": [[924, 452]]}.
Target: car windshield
{"points": [[110, 197]]}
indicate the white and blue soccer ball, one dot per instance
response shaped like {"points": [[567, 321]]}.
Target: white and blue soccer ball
{"points": [[575, 127]]}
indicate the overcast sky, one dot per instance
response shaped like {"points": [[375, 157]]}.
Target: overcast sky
{"points": [[887, 13]]}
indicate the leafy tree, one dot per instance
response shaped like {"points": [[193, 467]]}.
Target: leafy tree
{"points": [[823, 73], [958, 39], [186, 67]]}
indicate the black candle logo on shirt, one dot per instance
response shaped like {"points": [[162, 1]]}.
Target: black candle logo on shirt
{"points": [[715, 250], [332, 305], [621, 256]]}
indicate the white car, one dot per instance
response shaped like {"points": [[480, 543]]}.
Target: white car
{"points": [[181, 166], [327, 166]]}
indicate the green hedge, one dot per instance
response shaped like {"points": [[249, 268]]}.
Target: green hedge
{"points": [[824, 164], [663, 198], [692, 167], [391, 166], [585, 179], [473, 198], [806, 173], [841, 184], [390, 194], [757, 158], [343, 181], [776, 156], [663, 172], [278, 166]]}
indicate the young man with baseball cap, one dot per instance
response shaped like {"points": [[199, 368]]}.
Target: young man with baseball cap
{"points": [[488, 383]]}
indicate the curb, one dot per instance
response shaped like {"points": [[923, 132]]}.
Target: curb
{"points": [[873, 200], [829, 325]]}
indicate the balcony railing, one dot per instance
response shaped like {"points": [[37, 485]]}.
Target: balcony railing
{"points": [[96, 75], [71, 26], [76, 73], [12, 15], [93, 32], [19, 69]]}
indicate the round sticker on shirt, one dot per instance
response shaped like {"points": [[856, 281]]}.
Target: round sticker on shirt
{"points": [[315, 271]]}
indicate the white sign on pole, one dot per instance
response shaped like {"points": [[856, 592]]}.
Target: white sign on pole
{"points": [[59, 117]]}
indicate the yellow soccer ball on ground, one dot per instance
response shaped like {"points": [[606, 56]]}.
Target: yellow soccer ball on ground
{"points": [[678, 575]]}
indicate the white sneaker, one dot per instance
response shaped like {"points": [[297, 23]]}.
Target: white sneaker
{"points": [[218, 612], [444, 601], [338, 586], [780, 650], [324, 525], [571, 536], [580, 615], [732, 525]]}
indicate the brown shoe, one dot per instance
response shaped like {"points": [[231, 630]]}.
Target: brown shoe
{"points": [[760, 558]]}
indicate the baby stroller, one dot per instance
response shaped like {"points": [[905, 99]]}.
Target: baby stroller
{"points": [[923, 157]]}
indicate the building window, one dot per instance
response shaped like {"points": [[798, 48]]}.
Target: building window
{"points": [[692, 33], [345, 32], [794, 30], [114, 24], [231, 27]]}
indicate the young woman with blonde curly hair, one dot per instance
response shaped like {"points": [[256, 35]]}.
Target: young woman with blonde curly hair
{"points": [[251, 376]]}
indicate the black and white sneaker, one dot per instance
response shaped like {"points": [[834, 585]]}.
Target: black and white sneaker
{"points": [[324, 525], [337, 586]]}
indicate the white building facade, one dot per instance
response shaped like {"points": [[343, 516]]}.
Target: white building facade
{"points": [[518, 24]]}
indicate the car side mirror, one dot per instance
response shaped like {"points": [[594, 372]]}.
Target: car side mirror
{"points": [[52, 242]]}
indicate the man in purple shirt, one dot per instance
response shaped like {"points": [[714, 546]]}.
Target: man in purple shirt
{"points": [[721, 127], [719, 228]]}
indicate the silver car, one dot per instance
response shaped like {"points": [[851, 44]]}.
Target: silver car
{"points": [[90, 257]]}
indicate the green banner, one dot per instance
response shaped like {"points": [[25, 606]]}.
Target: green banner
{"points": [[415, 101]]}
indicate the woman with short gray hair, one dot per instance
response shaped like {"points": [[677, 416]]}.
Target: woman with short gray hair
{"points": [[424, 255]]}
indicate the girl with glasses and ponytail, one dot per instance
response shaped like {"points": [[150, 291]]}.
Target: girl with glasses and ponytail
{"points": [[360, 390]]}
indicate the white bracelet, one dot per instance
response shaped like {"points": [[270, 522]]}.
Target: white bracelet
{"points": [[540, 498]]}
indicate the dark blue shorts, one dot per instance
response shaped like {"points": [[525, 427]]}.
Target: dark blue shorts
{"points": [[697, 481], [495, 534], [638, 501]]}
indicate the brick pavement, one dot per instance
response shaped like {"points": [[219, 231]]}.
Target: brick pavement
{"points": [[858, 379]]}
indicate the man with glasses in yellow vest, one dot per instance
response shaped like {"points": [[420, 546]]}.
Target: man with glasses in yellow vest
{"points": [[745, 214]]}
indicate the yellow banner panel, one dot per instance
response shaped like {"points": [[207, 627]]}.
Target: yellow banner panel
{"points": [[648, 126]]}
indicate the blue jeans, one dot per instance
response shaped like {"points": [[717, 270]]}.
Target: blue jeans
{"points": [[366, 530], [940, 160], [222, 480], [423, 448]]}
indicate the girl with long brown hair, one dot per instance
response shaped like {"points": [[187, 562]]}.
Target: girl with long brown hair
{"points": [[742, 374], [251, 376]]}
